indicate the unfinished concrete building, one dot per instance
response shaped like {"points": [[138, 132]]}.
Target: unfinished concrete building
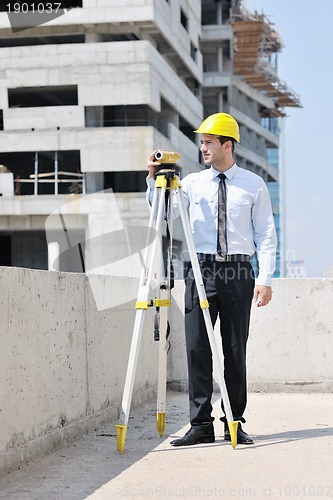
{"points": [[86, 97]]}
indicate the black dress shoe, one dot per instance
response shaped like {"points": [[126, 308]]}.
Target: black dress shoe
{"points": [[195, 435], [242, 436]]}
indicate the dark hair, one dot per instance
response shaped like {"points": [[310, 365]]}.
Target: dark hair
{"points": [[224, 139]]}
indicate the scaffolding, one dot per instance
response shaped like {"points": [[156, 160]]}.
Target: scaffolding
{"points": [[256, 46]]}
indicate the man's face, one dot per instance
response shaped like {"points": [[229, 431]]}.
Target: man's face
{"points": [[212, 150]]}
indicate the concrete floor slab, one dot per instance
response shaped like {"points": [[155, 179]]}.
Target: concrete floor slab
{"points": [[292, 457]]}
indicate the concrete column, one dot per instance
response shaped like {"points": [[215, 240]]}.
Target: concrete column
{"points": [[53, 256], [94, 182], [94, 116], [219, 59], [167, 116], [93, 37], [6, 183], [220, 101], [218, 12]]}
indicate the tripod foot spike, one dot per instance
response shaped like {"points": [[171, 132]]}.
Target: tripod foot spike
{"points": [[233, 426], [121, 437], [160, 418]]}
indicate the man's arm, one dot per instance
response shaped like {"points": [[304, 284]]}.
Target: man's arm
{"points": [[266, 242], [153, 167]]}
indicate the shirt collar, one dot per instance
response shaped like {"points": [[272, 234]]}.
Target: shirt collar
{"points": [[228, 173]]}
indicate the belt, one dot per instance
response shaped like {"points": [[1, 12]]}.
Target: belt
{"points": [[237, 257]]}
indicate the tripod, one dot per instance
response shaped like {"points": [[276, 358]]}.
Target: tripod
{"points": [[166, 184]]}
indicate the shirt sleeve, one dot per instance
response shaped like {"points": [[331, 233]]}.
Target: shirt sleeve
{"points": [[150, 190], [264, 235]]}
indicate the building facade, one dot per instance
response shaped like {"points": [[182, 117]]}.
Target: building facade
{"points": [[296, 269], [87, 96]]}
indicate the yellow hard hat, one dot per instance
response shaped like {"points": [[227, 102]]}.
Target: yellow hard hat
{"points": [[220, 124]]}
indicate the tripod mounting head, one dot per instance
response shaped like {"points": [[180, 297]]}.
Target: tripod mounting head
{"points": [[168, 173]]}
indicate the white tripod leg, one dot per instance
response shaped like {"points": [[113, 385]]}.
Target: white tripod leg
{"points": [[233, 425], [164, 303], [141, 306]]}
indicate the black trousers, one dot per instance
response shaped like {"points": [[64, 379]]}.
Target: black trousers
{"points": [[229, 287]]}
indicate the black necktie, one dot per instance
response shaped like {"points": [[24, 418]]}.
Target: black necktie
{"points": [[222, 246]]}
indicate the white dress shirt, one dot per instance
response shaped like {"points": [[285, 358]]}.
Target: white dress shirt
{"points": [[250, 223]]}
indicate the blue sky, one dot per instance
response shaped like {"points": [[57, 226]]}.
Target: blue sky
{"points": [[306, 65]]}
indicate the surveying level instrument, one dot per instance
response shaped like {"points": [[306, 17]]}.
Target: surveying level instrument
{"points": [[167, 157], [167, 184]]}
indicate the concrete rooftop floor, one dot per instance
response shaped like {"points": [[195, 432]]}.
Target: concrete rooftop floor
{"points": [[292, 457]]}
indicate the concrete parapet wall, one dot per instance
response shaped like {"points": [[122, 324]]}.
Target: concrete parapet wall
{"points": [[290, 343], [63, 361], [291, 339]]}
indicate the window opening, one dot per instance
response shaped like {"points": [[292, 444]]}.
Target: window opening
{"points": [[184, 19], [5, 250], [127, 116], [58, 172], [32, 97], [126, 182], [41, 40]]}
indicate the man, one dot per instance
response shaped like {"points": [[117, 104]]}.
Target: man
{"points": [[231, 219]]}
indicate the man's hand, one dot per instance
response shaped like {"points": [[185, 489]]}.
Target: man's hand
{"points": [[153, 165], [262, 295]]}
